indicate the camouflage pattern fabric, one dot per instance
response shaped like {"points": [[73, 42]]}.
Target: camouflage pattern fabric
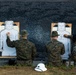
{"points": [[24, 62], [25, 49], [55, 49], [74, 52]]}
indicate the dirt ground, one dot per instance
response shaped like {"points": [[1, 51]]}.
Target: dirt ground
{"points": [[20, 70]]}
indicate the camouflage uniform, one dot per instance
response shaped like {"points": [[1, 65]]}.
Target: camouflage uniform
{"points": [[55, 49], [74, 53], [25, 50]]}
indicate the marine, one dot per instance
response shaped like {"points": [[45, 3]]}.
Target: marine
{"points": [[26, 50], [54, 50], [73, 52]]}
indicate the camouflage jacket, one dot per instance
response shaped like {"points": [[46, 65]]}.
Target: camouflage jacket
{"points": [[74, 52], [55, 49], [24, 48]]}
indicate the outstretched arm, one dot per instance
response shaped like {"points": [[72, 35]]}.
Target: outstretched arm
{"points": [[68, 36], [9, 42]]}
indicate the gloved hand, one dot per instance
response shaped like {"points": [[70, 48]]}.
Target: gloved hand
{"points": [[8, 33], [65, 35]]}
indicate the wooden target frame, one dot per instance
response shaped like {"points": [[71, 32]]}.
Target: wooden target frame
{"points": [[68, 27], [16, 26]]}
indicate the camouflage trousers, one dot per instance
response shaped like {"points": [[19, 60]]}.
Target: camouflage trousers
{"points": [[57, 64], [24, 62], [74, 58]]}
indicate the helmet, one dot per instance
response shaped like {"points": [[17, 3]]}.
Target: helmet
{"points": [[24, 33], [54, 33], [41, 67]]}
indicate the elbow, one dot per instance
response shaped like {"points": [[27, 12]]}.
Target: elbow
{"points": [[9, 45], [62, 52]]}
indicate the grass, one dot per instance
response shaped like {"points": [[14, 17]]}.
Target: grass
{"points": [[26, 70]]}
